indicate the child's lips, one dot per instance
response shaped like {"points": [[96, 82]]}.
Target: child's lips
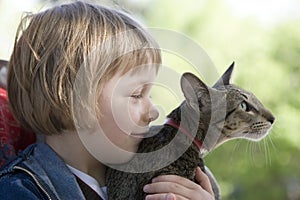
{"points": [[140, 135], [140, 131]]}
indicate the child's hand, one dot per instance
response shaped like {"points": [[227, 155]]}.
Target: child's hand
{"points": [[172, 187]]}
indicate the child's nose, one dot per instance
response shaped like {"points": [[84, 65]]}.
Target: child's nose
{"points": [[150, 112], [153, 113]]}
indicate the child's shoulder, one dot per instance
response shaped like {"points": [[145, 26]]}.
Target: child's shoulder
{"points": [[18, 184], [17, 180]]}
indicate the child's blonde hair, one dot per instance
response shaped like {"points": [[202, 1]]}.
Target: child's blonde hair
{"points": [[52, 46]]}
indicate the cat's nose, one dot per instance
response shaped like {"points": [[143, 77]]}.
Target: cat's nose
{"points": [[271, 119], [268, 116]]}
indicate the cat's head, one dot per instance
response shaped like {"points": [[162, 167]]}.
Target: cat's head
{"points": [[244, 116]]}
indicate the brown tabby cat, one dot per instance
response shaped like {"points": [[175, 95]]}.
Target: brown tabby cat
{"points": [[211, 115]]}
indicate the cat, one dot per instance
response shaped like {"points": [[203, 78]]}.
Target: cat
{"points": [[213, 115]]}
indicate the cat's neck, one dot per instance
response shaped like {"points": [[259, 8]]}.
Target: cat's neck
{"points": [[171, 122], [187, 118], [198, 125]]}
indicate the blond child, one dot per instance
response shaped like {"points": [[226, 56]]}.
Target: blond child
{"points": [[80, 74]]}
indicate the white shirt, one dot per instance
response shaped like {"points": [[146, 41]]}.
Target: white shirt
{"points": [[90, 181]]}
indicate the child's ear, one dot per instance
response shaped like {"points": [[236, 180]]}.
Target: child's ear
{"points": [[195, 91], [225, 78]]}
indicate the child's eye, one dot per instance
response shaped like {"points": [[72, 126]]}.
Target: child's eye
{"points": [[137, 96]]}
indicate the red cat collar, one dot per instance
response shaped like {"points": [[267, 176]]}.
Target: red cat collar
{"points": [[174, 124]]}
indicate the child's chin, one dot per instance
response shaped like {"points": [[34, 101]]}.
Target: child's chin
{"points": [[121, 159]]}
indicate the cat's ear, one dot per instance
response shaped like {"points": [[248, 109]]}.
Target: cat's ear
{"points": [[225, 78], [194, 90]]}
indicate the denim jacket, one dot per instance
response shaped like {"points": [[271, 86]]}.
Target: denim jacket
{"points": [[38, 173]]}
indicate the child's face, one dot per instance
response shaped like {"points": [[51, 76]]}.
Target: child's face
{"points": [[126, 108]]}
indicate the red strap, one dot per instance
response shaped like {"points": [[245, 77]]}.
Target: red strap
{"points": [[174, 124]]}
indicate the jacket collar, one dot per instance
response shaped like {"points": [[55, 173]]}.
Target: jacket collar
{"points": [[51, 171]]}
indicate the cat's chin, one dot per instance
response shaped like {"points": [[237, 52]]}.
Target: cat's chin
{"points": [[256, 137]]}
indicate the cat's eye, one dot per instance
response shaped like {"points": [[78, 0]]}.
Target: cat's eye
{"points": [[244, 106]]}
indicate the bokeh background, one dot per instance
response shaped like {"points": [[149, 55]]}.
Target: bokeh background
{"points": [[263, 38]]}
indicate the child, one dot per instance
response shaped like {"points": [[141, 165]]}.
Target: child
{"points": [[81, 74]]}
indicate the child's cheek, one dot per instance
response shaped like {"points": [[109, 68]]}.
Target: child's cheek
{"points": [[125, 114], [135, 114]]}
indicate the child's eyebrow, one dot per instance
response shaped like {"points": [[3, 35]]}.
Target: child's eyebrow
{"points": [[145, 86], [144, 82]]}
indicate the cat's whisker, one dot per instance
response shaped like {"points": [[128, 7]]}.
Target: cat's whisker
{"points": [[272, 143], [261, 146], [262, 150], [236, 145], [267, 153], [270, 152], [252, 151], [275, 133], [257, 148], [235, 148], [249, 149]]}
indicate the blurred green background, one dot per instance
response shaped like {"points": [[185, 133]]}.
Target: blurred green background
{"points": [[263, 38]]}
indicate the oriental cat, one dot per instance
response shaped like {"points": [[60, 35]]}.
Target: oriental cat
{"points": [[208, 117]]}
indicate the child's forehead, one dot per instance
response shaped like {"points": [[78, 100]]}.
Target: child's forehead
{"points": [[142, 70], [141, 75], [140, 61]]}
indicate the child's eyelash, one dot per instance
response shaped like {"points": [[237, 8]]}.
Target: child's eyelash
{"points": [[137, 96]]}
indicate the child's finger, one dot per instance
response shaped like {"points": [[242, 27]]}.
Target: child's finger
{"points": [[203, 180]]}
